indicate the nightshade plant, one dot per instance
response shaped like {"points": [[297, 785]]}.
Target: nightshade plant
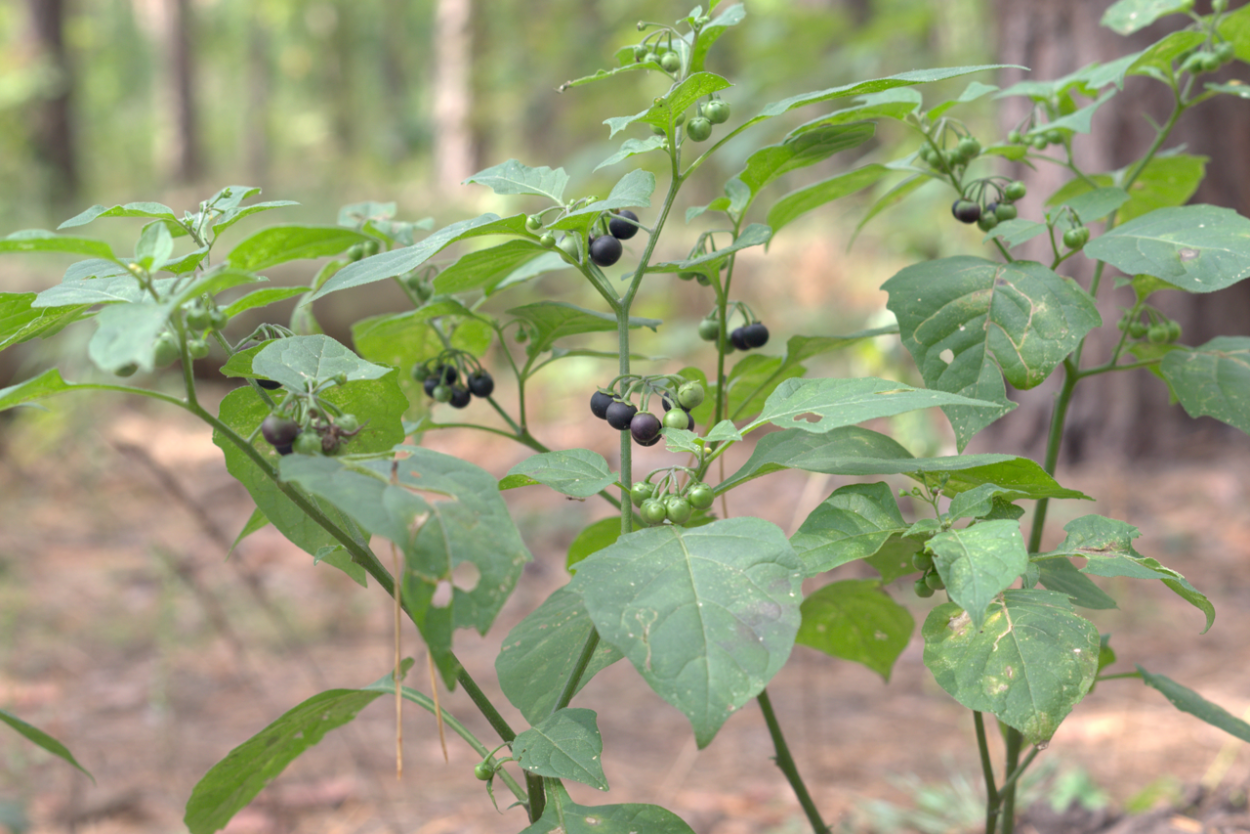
{"points": [[706, 608]]}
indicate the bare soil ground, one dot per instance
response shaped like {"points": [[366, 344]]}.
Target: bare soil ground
{"points": [[125, 633]]}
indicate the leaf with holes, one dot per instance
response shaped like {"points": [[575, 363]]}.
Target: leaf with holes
{"points": [[564, 745], [979, 562], [969, 323], [856, 620], [707, 615], [1030, 663]]}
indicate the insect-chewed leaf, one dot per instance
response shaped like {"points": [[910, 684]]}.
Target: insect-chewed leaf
{"points": [[978, 562]]}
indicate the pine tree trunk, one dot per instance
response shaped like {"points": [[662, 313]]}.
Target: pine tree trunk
{"points": [[1122, 414]]}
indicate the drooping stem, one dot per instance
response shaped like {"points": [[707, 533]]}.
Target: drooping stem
{"points": [[786, 762]]}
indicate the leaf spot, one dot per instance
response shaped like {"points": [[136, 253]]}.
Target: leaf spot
{"points": [[948, 355], [1188, 254], [807, 417]]}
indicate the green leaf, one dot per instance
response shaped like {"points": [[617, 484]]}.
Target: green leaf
{"points": [[802, 200], [256, 521], [20, 322], [158, 211], [39, 737], [301, 362], [564, 745], [712, 31], [890, 104], [563, 816], [979, 562], [1198, 248], [969, 322], [580, 473], [126, 334], [1167, 181], [1107, 544], [1186, 700], [1156, 60], [1015, 232], [755, 234], [279, 244], [1094, 205], [856, 620], [402, 340], [893, 560], [896, 194], [547, 262], [753, 379], [843, 402], [1213, 380], [631, 147], [633, 189], [1080, 121], [676, 101], [539, 654], [1061, 575], [972, 92], [154, 246], [231, 216], [1125, 17], [486, 268], [1030, 664], [262, 298], [707, 615], [1231, 88], [773, 161], [904, 79], [512, 177], [447, 517], [235, 781], [593, 538], [551, 321], [46, 384], [38, 240], [852, 523]]}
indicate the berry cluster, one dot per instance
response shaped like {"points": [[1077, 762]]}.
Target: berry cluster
{"points": [[441, 380], [316, 435], [603, 249], [929, 580], [992, 213], [644, 426], [1158, 329], [749, 336], [657, 504]]}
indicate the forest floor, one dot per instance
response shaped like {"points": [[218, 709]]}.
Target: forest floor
{"points": [[125, 633]]}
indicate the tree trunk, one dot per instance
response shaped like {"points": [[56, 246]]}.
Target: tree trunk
{"points": [[186, 159], [453, 96], [1123, 414], [52, 128], [256, 122]]}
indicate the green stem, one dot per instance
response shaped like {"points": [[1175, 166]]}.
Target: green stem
{"points": [[1011, 780], [786, 762], [1008, 791], [575, 677], [1053, 441], [987, 770]]}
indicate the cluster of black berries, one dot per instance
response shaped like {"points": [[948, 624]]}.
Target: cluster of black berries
{"points": [[606, 250], [644, 426], [441, 384], [753, 335]]}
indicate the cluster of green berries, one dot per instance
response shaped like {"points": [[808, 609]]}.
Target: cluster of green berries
{"points": [[440, 378], [315, 435], [929, 580], [362, 250], [644, 426], [714, 112], [948, 160], [1208, 60], [1158, 329], [199, 319], [657, 505], [990, 214], [1039, 138]]}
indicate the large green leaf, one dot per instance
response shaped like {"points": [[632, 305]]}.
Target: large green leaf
{"points": [[486, 268], [158, 211], [852, 523], [39, 240], [447, 517], [279, 244], [1212, 380], [969, 322], [979, 562], [676, 101], [564, 745], [302, 362], [126, 334], [513, 177], [593, 538], [1059, 574], [580, 473], [262, 298], [834, 403], [856, 620], [1030, 663], [386, 265], [563, 816], [234, 781], [551, 321], [1167, 180], [38, 737], [709, 34], [1107, 544], [1186, 700], [539, 654], [1198, 248], [1127, 16], [47, 384], [819, 143], [707, 615], [114, 288], [20, 322], [802, 200]]}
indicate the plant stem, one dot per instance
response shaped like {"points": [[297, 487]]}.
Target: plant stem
{"points": [[786, 762], [575, 677], [987, 770], [1014, 740]]}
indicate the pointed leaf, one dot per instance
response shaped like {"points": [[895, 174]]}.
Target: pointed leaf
{"points": [[710, 33], [845, 402], [755, 234], [633, 190], [707, 615], [631, 147], [485, 268], [301, 362], [979, 562], [1213, 380], [799, 202], [20, 322], [677, 100], [279, 244], [539, 654], [1125, 17], [807, 148], [1061, 575], [231, 216], [969, 322], [852, 523], [126, 334], [159, 211], [856, 620], [903, 79], [512, 177], [256, 521], [39, 737], [154, 247], [38, 240], [554, 320], [580, 473], [891, 104], [262, 298], [1030, 664], [564, 745], [1186, 700]]}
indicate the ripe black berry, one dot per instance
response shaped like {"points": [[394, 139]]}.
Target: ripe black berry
{"points": [[755, 335], [481, 384], [605, 250], [599, 403], [431, 382], [446, 374], [620, 414], [645, 428], [966, 211], [268, 384], [279, 431], [460, 397], [621, 229], [738, 339]]}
